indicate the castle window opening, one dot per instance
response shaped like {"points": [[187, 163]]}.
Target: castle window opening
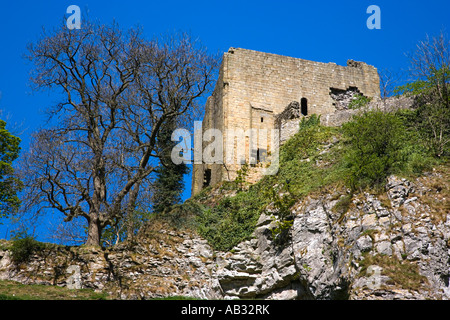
{"points": [[304, 106], [262, 119], [207, 178], [261, 155]]}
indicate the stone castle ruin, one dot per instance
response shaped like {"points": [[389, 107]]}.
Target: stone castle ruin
{"points": [[258, 92]]}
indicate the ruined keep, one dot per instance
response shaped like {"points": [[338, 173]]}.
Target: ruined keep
{"points": [[253, 90]]}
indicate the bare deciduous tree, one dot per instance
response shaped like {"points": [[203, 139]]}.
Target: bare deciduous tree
{"points": [[431, 63], [116, 91], [430, 67], [389, 80]]}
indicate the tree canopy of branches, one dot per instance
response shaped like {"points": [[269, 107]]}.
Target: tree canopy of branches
{"points": [[116, 92]]}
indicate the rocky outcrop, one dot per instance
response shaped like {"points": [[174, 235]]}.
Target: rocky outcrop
{"points": [[381, 248], [391, 245]]}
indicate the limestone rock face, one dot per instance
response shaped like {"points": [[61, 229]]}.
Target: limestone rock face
{"points": [[363, 254], [393, 245]]}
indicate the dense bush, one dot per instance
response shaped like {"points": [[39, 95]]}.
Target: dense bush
{"points": [[374, 147], [304, 162], [232, 220], [380, 144], [359, 101]]}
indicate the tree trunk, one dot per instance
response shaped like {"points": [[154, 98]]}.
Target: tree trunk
{"points": [[94, 232]]}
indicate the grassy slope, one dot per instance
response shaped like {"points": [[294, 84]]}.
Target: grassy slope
{"points": [[11, 290]]}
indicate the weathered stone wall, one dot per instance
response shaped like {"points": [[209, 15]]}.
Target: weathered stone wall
{"points": [[271, 81], [389, 104], [254, 86]]}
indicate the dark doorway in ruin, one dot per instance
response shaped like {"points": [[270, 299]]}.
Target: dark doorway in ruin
{"points": [[207, 178], [304, 106]]}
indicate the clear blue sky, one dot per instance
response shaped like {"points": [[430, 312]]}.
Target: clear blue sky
{"points": [[326, 31]]}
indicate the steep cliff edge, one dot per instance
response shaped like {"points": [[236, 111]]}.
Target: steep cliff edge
{"points": [[387, 246]]}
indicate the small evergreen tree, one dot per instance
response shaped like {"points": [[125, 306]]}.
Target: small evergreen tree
{"points": [[9, 184], [169, 176]]}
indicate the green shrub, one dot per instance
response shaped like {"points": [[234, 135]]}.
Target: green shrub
{"points": [[417, 151], [22, 248], [281, 201], [232, 220], [380, 144], [343, 204], [183, 215], [309, 122], [374, 150], [241, 178], [359, 101], [280, 233], [301, 155]]}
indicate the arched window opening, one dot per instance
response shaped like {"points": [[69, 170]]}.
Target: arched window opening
{"points": [[207, 178], [304, 106]]}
